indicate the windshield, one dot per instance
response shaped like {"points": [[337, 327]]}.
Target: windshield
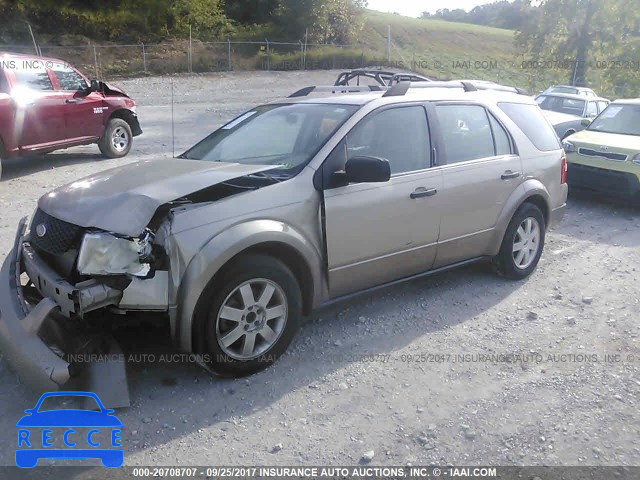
{"points": [[616, 118], [287, 136], [568, 105]]}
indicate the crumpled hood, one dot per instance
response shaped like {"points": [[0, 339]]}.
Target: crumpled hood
{"points": [[124, 199], [108, 88], [557, 117]]}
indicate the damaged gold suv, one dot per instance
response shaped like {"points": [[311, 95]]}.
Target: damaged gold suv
{"points": [[290, 206]]}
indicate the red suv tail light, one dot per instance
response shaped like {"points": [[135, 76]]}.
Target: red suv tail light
{"points": [[563, 170]]}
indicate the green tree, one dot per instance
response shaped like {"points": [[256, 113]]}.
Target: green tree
{"points": [[328, 21], [250, 12], [581, 33], [206, 18]]}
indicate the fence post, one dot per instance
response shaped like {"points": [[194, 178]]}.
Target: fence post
{"points": [[301, 55], [189, 52], [268, 59], [229, 52], [144, 59], [95, 60]]}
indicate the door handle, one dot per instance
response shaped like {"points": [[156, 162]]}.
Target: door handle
{"points": [[71, 100], [509, 174], [419, 193]]}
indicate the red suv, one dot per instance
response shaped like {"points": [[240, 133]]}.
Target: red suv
{"points": [[46, 105]]}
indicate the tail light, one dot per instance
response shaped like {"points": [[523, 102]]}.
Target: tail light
{"points": [[563, 170]]}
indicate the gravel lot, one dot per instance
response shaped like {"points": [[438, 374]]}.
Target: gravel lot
{"points": [[431, 392]]}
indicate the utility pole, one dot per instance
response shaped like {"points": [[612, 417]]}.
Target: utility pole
{"points": [[389, 44], [189, 58], [35, 45], [304, 55]]}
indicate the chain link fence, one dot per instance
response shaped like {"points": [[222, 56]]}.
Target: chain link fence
{"points": [[184, 56], [196, 56]]}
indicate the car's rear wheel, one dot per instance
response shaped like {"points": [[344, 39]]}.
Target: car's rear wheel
{"points": [[117, 139], [253, 315], [522, 244]]}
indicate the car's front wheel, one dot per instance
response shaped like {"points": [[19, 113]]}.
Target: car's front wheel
{"points": [[522, 244], [253, 316], [117, 139]]}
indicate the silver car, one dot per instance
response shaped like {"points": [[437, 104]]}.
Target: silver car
{"points": [[570, 113], [286, 208]]}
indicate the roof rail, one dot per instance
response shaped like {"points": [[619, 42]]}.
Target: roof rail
{"points": [[303, 92], [467, 85]]}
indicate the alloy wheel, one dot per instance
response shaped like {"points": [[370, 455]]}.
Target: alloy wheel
{"points": [[526, 243], [120, 139], [251, 319]]}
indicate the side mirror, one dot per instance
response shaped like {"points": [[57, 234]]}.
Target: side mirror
{"points": [[586, 122], [367, 169], [95, 85]]}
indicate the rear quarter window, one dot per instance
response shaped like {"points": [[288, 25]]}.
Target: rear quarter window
{"points": [[4, 85], [531, 121]]}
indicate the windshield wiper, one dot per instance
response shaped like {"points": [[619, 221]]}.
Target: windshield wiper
{"points": [[274, 178]]}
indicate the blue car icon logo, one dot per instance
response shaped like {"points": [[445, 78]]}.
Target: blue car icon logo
{"points": [[66, 433]]}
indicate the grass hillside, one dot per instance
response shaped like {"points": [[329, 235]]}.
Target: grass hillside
{"points": [[436, 48], [447, 50]]}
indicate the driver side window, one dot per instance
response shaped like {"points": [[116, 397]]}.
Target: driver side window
{"points": [[68, 78], [399, 135]]}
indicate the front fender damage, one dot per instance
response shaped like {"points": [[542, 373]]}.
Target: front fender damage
{"points": [[44, 332], [49, 351]]}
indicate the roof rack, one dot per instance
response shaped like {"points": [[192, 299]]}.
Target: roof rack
{"points": [[401, 88], [383, 77], [303, 92]]}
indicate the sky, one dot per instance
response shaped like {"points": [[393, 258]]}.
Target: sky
{"points": [[413, 8]]}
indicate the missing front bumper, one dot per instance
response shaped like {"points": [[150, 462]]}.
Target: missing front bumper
{"points": [[40, 365]]}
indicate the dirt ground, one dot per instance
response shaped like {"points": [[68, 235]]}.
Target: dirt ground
{"points": [[460, 368]]}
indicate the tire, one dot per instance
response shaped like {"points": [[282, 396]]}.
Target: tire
{"points": [[117, 139], [238, 313], [519, 264]]}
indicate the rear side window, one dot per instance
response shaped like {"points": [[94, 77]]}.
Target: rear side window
{"points": [[33, 78], [68, 78], [530, 120], [466, 132], [592, 109]]}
